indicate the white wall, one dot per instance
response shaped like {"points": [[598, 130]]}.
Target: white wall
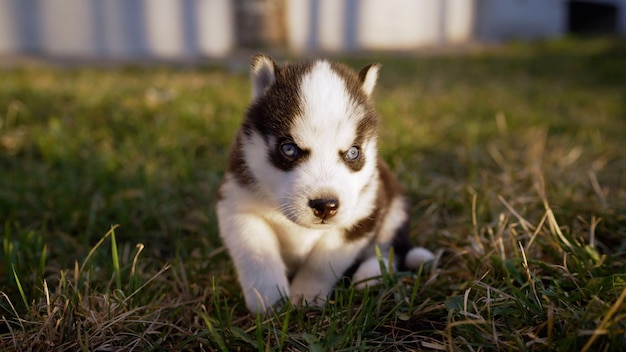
{"points": [[183, 29], [414, 24], [331, 25], [117, 28], [334, 25]]}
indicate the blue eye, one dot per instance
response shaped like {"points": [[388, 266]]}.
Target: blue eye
{"points": [[353, 154], [289, 150]]}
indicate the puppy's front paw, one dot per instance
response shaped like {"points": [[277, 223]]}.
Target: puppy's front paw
{"points": [[309, 292], [302, 298], [260, 303], [260, 298]]}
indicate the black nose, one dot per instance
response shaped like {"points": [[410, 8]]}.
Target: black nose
{"points": [[324, 208]]}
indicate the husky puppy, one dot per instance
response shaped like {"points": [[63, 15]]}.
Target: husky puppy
{"points": [[305, 197]]}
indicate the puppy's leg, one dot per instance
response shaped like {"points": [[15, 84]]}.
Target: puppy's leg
{"points": [[328, 260], [369, 269], [255, 251]]}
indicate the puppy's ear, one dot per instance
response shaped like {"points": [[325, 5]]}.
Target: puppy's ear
{"points": [[368, 77], [262, 74]]}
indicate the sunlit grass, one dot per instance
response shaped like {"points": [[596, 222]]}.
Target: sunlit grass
{"points": [[513, 159]]}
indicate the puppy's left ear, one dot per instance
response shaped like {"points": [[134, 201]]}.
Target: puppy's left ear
{"points": [[368, 77], [262, 74]]}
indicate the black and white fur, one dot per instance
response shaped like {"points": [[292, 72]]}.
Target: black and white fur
{"points": [[305, 196]]}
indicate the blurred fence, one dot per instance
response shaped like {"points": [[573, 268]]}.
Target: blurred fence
{"points": [[183, 29]]}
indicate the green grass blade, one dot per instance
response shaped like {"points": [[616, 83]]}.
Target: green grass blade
{"points": [[259, 332], [216, 335], [96, 246], [284, 329], [42, 261], [19, 287], [116, 261]]}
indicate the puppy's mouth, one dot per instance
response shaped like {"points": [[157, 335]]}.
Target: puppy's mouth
{"points": [[313, 224], [323, 223]]}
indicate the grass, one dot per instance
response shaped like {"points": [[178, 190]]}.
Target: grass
{"points": [[513, 158]]}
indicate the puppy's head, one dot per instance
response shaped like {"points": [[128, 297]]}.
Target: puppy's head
{"points": [[310, 140]]}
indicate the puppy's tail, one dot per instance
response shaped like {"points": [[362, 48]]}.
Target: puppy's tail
{"points": [[417, 256]]}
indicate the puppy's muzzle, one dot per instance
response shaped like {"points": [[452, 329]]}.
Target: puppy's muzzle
{"points": [[324, 208]]}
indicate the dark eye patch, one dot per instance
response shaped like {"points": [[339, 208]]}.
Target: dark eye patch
{"points": [[287, 154]]}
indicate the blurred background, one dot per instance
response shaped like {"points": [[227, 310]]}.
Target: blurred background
{"points": [[200, 29]]}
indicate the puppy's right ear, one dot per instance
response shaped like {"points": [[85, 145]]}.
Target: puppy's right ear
{"points": [[262, 74], [368, 77]]}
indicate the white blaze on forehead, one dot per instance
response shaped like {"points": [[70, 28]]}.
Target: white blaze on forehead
{"points": [[329, 114]]}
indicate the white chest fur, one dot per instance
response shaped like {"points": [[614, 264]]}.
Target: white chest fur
{"points": [[296, 242]]}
